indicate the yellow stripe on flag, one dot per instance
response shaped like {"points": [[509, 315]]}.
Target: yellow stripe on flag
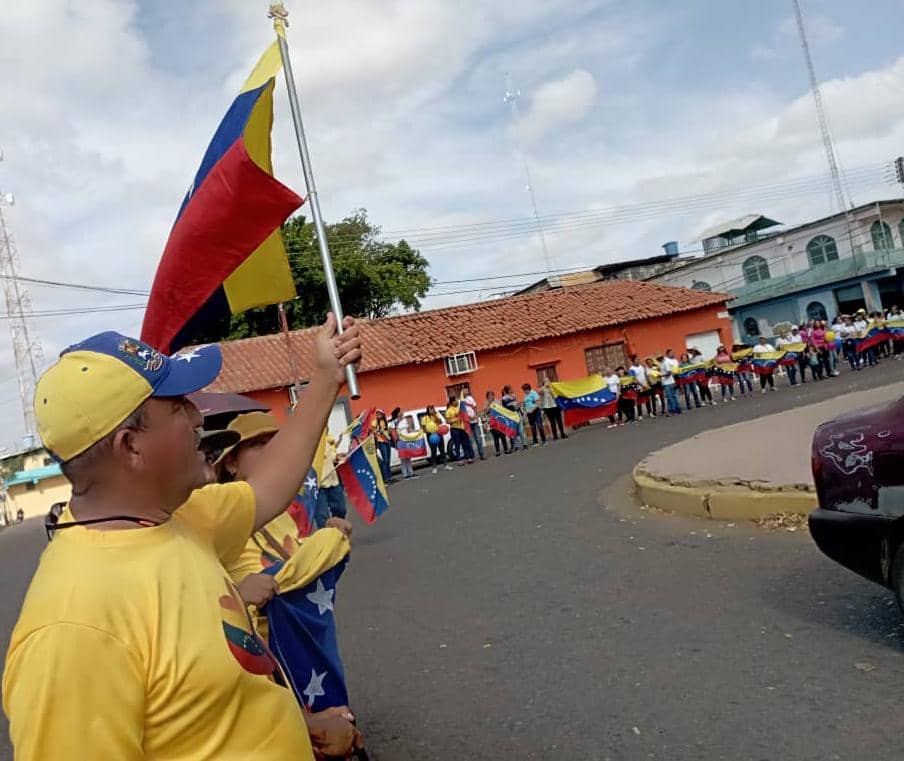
{"points": [[265, 276], [580, 387], [267, 67]]}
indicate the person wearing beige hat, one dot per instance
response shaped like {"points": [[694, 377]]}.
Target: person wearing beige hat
{"points": [[132, 641], [278, 540]]}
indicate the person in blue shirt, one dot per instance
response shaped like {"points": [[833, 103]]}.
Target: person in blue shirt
{"points": [[534, 413]]}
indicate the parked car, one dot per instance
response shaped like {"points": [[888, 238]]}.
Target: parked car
{"points": [[858, 469]]}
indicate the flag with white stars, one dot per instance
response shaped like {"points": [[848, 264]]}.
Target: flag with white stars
{"points": [[360, 475], [303, 638], [584, 399]]}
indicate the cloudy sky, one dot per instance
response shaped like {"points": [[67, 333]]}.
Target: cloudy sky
{"points": [[107, 106]]}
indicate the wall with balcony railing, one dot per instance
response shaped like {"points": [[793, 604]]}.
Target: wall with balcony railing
{"points": [[860, 263]]}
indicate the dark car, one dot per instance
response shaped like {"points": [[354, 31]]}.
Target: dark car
{"points": [[858, 468]]}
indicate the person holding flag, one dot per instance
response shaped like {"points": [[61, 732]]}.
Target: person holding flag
{"points": [[330, 494], [468, 405], [461, 441], [410, 444], [499, 429], [765, 373], [135, 565]]}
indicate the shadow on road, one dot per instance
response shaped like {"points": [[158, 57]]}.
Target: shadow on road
{"points": [[846, 604]]}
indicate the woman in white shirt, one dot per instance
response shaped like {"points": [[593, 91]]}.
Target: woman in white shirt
{"points": [[645, 396]]}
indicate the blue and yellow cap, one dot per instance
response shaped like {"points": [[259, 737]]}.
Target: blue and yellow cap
{"points": [[98, 383]]}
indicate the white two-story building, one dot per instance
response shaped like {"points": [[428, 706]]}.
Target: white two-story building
{"points": [[811, 271]]}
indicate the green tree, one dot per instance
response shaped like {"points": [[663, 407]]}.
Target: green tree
{"points": [[375, 278]]}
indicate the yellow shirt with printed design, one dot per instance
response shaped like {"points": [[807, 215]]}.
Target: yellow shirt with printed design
{"points": [[134, 644]]}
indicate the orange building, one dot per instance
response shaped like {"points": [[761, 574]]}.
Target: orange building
{"points": [[418, 359]]}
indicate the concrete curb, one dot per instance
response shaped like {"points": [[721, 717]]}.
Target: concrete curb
{"points": [[728, 500]]}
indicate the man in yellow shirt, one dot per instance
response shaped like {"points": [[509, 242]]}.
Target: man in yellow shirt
{"points": [[461, 441], [132, 642]]}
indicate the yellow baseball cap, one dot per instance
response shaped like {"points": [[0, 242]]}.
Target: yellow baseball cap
{"points": [[98, 383]]}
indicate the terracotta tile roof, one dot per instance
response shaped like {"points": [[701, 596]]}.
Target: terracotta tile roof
{"points": [[261, 363]]}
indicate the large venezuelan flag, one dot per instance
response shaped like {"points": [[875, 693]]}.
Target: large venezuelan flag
{"points": [[584, 399], [225, 253]]}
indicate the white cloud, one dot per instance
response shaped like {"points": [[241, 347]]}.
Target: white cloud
{"points": [[557, 104], [785, 41], [106, 116]]}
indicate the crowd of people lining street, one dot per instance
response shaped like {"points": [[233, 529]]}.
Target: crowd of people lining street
{"points": [[655, 391], [148, 512]]}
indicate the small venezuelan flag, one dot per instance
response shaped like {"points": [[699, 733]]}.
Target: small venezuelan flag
{"points": [[411, 445], [504, 420], [304, 506], [360, 475], [225, 252]]}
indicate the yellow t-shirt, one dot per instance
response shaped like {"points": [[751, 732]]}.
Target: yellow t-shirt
{"points": [[453, 416], [259, 554], [134, 644]]}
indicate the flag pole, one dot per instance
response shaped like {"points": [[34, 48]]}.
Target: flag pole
{"points": [[290, 355], [279, 14]]}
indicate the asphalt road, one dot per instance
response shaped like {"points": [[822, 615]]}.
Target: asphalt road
{"points": [[525, 608]]}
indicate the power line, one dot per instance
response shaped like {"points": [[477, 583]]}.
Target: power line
{"points": [[496, 230]]}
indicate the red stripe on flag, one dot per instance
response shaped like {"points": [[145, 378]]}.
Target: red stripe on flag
{"points": [[355, 492], [224, 222], [577, 415]]}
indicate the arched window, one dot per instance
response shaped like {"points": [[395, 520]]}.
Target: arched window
{"points": [[816, 311], [700, 285], [822, 249], [751, 328], [756, 268], [881, 234]]}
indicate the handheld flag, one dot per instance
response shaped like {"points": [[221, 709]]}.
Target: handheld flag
{"points": [[693, 373], [360, 475], [411, 445], [304, 505], [726, 372], [225, 253], [766, 362], [361, 425], [792, 354], [629, 387], [504, 420], [303, 638], [584, 399]]}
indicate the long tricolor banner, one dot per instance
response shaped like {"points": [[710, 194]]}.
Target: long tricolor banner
{"points": [[629, 387], [793, 354], [584, 399], [692, 373]]}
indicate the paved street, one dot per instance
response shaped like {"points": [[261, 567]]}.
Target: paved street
{"points": [[524, 608]]}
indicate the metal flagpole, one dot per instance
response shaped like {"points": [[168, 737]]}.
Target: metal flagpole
{"points": [[290, 355], [279, 14]]}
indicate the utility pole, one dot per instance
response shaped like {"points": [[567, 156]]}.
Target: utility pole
{"points": [[512, 96], [827, 141], [27, 349], [844, 204]]}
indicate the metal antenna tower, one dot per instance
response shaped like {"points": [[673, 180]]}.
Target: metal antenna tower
{"points": [[512, 96], [26, 346], [827, 141]]}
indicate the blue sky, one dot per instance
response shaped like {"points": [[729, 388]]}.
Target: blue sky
{"points": [[108, 105]]}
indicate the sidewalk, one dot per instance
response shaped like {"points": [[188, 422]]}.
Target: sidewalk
{"points": [[747, 470]]}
